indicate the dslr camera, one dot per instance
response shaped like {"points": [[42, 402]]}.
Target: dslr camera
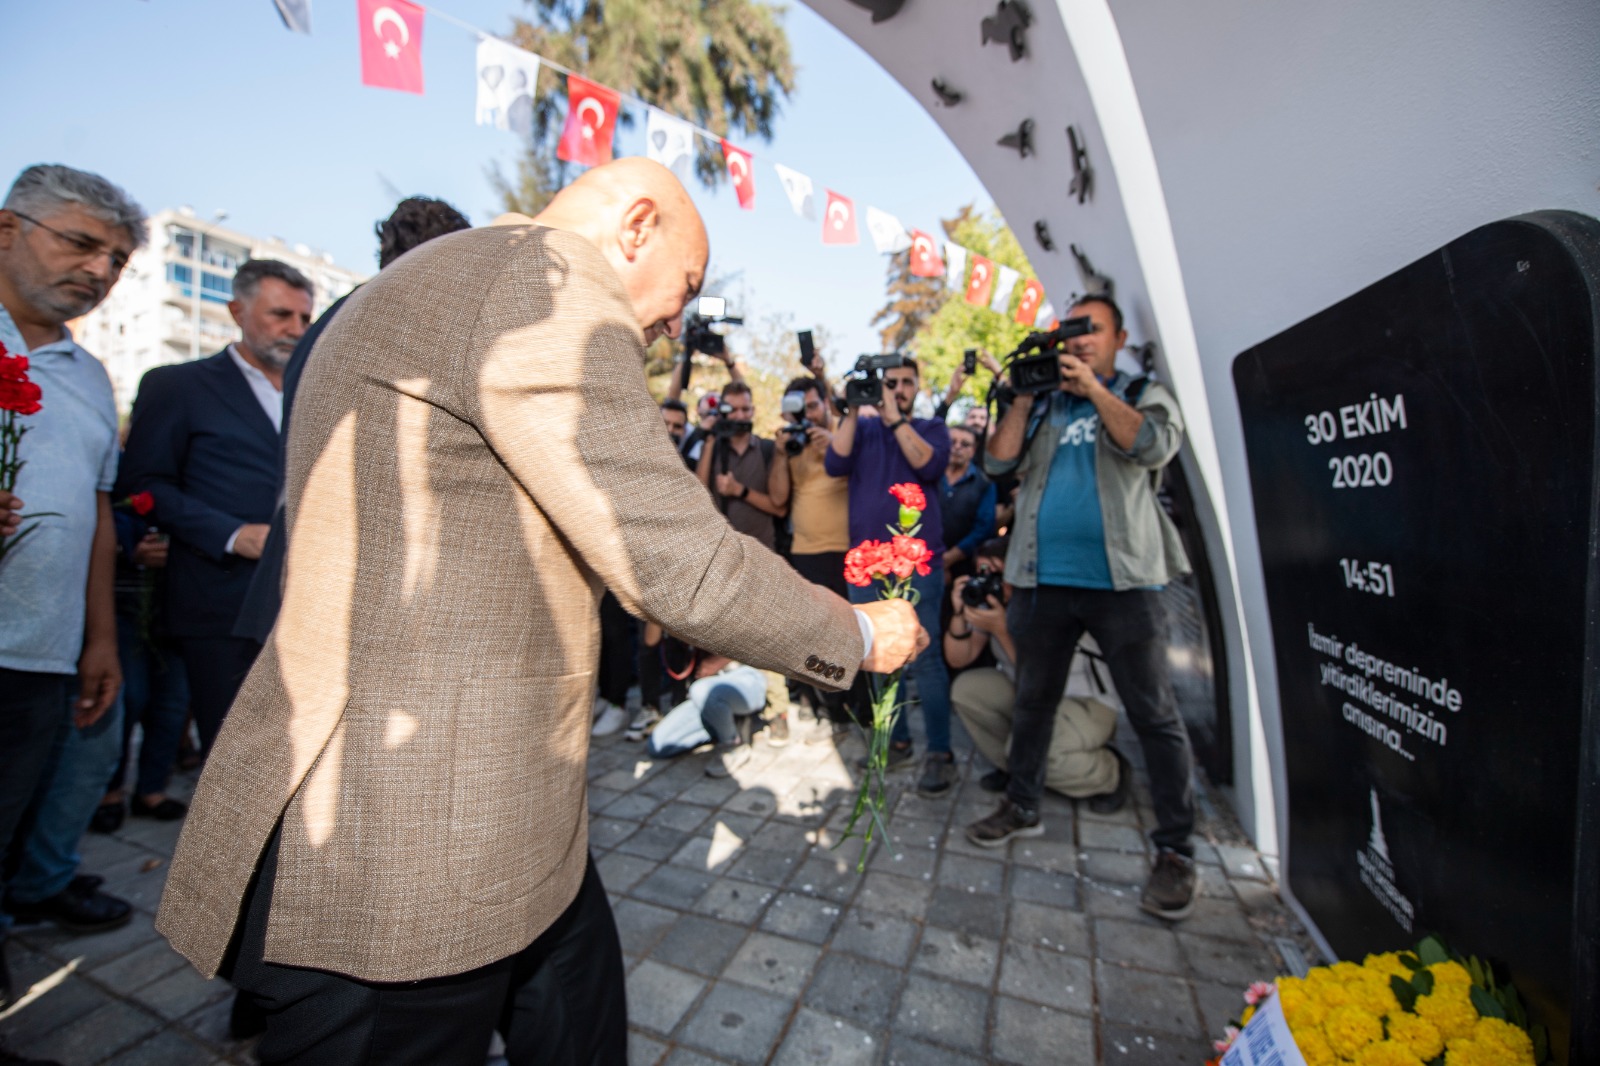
{"points": [[979, 587], [863, 386], [701, 332], [1041, 371], [794, 429]]}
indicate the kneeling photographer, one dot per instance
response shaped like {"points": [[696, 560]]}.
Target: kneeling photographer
{"points": [[1079, 761], [737, 466], [1089, 552]]}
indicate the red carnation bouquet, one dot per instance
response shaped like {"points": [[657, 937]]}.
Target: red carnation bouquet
{"points": [[891, 563], [18, 397]]}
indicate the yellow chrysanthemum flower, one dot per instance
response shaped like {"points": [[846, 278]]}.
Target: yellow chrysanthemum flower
{"points": [[1332, 995], [1349, 1029], [1418, 1034], [1345, 971], [1514, 1041], [1450, 1011], [1244, 1019], [1314, 1047], [1464, 1051], [1387, 1053], [1450, 975], [1373, 997], [1388, 964]]}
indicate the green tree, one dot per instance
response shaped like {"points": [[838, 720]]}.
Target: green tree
{"points": [[721, 64]]}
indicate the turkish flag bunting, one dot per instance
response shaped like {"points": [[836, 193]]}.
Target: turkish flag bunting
{"points": [[391, 44], [1032, 297], [739, 172], [925, 260], [839, 221], [980, 283], [591, 118]]}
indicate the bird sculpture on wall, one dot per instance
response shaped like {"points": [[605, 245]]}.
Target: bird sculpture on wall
{"points": [[1008, 26], [882, 10], [1021, 140]]}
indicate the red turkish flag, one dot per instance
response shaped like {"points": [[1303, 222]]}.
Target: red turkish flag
{"points": [[980, 283], [742, 176], [839, 221], [391, 44], [591, 118], [925, 259], [1032, 297]]}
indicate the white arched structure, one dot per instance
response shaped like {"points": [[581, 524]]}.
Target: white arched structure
{"points": [[1255, 162]]}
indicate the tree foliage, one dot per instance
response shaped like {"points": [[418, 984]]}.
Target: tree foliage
{"points": [[722, 64]]}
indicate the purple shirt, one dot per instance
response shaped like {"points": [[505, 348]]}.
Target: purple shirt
{"points": [[876, 462]]}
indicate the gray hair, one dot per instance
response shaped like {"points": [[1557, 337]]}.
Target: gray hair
{"points": [[46, 186], [248, 278]]}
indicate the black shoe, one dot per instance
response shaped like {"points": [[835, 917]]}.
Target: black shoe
{"points": [[938, 774], [898, 758], [76, 912], [1006, 823], [168, 810], [246, 1019], [84, 884], [12, 1058], [1113, 801], [1170, 891], [107, 818], [994, 781]]}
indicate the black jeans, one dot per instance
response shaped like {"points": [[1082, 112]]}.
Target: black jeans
{"points": [[616, 651], [560, 1001], [33, 709], [217, 667], [1130, 627]]}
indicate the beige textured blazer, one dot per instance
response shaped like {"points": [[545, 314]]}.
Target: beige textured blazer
{"points": [[473, 457]]}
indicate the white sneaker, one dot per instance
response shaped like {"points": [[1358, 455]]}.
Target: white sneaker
{"points": [[642, 723], [611, 719]]}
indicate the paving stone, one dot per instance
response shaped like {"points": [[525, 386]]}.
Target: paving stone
{"points": [[956, 843], [1101, 900], [672, 886], [802, 917], [1027, 1034], [211, 1025], [641, 925], [826, 875], [166, 1048], [943, 1012], [744, 827], [760, 801], [1115, 867], [689, 1057], [132, 881], [710, 792], [643, 1051], [1048, 976], [876, 936], [1058, 855], [814, 1039], [769, 867], [1225, 961], [92, 948], [619, 780], [895, 895], [1042, 886], [607, 832], [1220, 1005], [958, 956], [734, 901], [160, 837], [669, 783], [773, 964], [1134, 944], [659, 996], [97, 851], [782, 836], [653, 842], [854, 989], [1146, 1000], [1205, 853], [1242, 863], [1111, 837], [903, 1051], [99, 1034], [139, 967], [66, 1002], [964, 872], [635, 805], [1221, 918], [1212, 881], [601, 798], [701, 945], [973, 913], [904, 861], [182, 992], [738, 1023], [620, 872], [714, 853], [1037, 925], [685, 816], [1141, 1047]]}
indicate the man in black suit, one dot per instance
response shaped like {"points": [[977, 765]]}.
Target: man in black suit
{"points": [[415, 220], [204, 441]]}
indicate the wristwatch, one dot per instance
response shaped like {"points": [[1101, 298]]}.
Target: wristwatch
{"points": [[744, 491]]}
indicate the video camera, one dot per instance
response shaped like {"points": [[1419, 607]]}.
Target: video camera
{"points": [[725, 426], [863, 386], [1042, 372], [794, 430], [700, 332], [979, 587]]}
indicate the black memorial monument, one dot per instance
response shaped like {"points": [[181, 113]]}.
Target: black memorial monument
{"points": [[1422, 463]]}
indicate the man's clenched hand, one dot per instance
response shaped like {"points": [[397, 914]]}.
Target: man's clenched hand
{"points": [[897, 637]]}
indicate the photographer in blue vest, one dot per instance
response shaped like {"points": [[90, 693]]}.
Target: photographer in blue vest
{"points": [[1090, 551]]}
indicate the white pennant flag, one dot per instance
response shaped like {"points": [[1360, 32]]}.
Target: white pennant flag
{"points": [[1002, 289], [670, 142], [296, 15], [955, 265], [888, 235], [1047, 314], [797, 187], [507, 80]]}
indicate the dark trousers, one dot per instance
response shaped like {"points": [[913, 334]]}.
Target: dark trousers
{"points": [[1130, 627], [616, 651], [33, 710], [827, 569], [155, 694], [216, 667], [558, 1002]]}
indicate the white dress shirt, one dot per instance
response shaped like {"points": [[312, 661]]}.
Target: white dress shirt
{"points": [[268, 395]]}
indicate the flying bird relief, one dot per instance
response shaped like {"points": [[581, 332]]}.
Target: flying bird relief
{"points": [[1009, 26], [1021, 140]]}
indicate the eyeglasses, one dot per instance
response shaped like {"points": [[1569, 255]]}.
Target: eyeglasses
{"points": [[89, 248]]}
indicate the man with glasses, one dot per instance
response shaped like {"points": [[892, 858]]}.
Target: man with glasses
{"points": [[65, 236]]}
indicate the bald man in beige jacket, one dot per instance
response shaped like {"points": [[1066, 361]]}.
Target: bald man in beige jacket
{"points": [[388, 850]]}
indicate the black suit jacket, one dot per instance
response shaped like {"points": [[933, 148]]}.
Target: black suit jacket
{"points": [[200, 443], [261, 603]]}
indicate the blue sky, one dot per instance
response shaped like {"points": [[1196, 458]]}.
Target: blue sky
{"points": [[214, 104]]}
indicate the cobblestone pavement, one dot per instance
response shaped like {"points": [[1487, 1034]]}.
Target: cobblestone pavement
{"points": [[749, 939]]}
